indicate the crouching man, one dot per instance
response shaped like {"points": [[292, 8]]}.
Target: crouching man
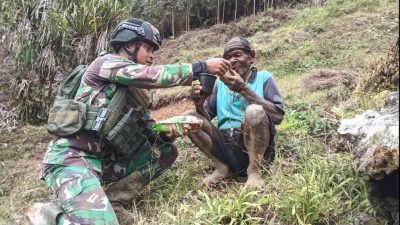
{"points": [[247, 105]]}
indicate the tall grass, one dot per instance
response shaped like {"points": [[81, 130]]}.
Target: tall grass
{"points": [[48, 38]]}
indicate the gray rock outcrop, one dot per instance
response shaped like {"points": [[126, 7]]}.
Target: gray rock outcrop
{"points": [[375, 137]]}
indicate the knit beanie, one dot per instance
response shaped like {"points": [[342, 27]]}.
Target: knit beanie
{"points": [[237, 43]]}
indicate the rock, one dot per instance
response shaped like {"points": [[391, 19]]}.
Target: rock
{"points": [[375, 137]]}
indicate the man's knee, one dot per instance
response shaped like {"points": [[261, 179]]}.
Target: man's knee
{"points": [[255, 116]]}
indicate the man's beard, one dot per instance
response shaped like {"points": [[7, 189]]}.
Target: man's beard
{"points": [[242, 71]]}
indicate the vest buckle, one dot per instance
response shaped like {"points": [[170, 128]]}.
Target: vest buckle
{"points": [[102, 116]]}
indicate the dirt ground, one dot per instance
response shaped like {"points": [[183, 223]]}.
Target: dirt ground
{"points": [[173, 109], [327, 78]]}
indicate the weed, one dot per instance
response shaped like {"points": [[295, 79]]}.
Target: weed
{"points": [[237, 208], [305, 118], [320, 189]]}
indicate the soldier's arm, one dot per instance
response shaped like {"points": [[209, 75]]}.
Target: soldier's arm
{"points": [[152, 134], [124, 71], [128, 73]]}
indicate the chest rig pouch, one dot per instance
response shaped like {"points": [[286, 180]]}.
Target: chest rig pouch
{"points": [[123, 128]]}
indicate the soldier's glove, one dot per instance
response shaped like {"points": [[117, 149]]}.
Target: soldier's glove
{"points": [[197, 68]]}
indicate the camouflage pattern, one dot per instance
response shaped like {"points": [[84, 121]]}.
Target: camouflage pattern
{"points": [[78, 190], [79, 193], [74, 166]]}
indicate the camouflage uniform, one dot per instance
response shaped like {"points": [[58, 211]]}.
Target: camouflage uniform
{"points": [[74, 166]]}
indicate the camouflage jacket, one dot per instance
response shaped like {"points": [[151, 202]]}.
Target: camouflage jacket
{"points": [[98, 87]]}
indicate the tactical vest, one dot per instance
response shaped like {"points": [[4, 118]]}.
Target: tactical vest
{"points": [[119, 126]]}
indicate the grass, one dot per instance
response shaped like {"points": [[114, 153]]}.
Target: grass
{"points": [[19, 189], [20, 155], [307, 184], [21, 143], [315, 187]]}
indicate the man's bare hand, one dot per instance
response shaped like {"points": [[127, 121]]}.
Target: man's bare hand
{"points": [[174, 132], [195, 94], [234, 81], [218, 66]]}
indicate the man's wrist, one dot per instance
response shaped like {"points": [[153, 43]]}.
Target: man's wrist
{"points": [[243, 89], [199, 107]]}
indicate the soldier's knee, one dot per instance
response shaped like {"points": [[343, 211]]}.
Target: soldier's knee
{"points": [[256, 116]]}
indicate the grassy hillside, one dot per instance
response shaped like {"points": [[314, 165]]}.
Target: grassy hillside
{"points": [[318, 56]]}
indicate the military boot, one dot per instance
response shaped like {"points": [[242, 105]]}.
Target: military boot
{"points": [[122, 193], [256, 141], [42, 213]]}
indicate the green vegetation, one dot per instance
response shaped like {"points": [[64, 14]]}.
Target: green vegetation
{"points": [[328, 36], [309, 182], [49, 38]]}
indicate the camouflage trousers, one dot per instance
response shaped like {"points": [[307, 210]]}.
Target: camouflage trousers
{"points": [[79, 192]]}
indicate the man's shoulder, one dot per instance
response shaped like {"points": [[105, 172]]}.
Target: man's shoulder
{"points": [[264, 75]]}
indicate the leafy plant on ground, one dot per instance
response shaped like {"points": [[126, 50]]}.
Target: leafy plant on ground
{"points": [[302, 120]]}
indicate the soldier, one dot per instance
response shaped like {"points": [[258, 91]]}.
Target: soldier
{"points": [[75, 166], [247, 105]]}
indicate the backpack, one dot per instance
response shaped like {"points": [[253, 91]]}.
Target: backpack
{"points": [[67, 116]]}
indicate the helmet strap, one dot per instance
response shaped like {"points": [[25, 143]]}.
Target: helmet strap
{"points": [[133, 55]]}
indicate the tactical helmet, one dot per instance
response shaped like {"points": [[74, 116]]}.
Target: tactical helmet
{"points": [[132, 30]]}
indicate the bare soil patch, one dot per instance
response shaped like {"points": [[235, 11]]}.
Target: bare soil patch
{"points": [[163, 97], [177, 108], [327, 78]]}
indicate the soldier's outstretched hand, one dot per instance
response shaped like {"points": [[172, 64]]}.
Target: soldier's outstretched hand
{"points": [[218, 66]]}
